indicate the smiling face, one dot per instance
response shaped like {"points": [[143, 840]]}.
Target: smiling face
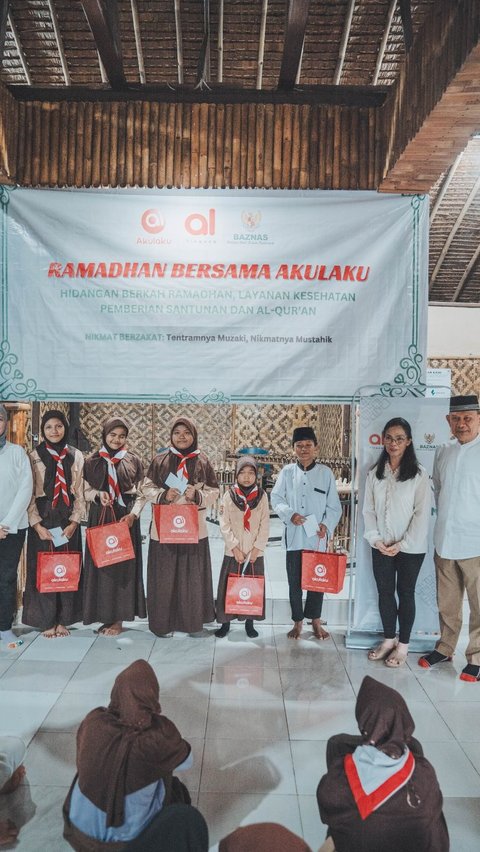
{"points": [[182, 438], [465, 425], [396, 442], [116, 438], [305, 452], [54, 430], [247, 476]]}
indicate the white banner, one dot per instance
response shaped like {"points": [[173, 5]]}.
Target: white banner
{"points": [[429, 429], [245, 296]]}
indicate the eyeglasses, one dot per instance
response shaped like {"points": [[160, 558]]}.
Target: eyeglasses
{"points": [[389, 440]]}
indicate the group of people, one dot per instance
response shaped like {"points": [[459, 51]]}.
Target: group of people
{"points": [[49, 495], [379, 791]]}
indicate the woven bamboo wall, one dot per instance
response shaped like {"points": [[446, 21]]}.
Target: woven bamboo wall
{"points": [[151, 144], [465, 373]]}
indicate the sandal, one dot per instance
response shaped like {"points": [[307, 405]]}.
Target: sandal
{"points": [[380, 652], [396, 659]]}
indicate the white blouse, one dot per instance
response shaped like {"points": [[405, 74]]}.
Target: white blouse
{"points": [[395, 511]]}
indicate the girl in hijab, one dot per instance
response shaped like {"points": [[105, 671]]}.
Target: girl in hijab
{"points": [[179, 576], [114, 593], [57, 502], [126, 755], [244, 524], [379, 791]]}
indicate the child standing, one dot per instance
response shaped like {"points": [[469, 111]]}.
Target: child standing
{"points": [[244, 524]]}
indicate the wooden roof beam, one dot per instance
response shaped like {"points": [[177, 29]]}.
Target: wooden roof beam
{"points": [[434, 107], [4, 7], [58, 39], [384, 41], [18, 45], [261, 43], [450, 238], [293, 43], [179, 40], [203, 67], [344, 43], [102, 17], [471, 267], [406, 15], [138, 41]]}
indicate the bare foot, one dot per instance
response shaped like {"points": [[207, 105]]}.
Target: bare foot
{"points": [[318, 630], [15, 780], [111, 629], [8, 832], [50, 634], [296, 630], [61, 631]]}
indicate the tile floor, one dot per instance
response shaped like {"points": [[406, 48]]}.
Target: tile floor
{"points": [[256, 712]]}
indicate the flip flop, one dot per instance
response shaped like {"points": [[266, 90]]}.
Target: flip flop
{"points": [[380, 652]]}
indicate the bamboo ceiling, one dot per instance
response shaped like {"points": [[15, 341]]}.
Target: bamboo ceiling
{"points": [[341, 94]]}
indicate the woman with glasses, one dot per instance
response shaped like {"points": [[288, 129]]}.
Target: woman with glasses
{"points": [[396, 511]]}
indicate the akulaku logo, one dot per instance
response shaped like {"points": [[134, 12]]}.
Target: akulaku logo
{"points": [[375, 440], [152, 221], [245, 594], [320, 570], [251, 219], [199, 225], [179, 521], [59, 570], [112, 541]]}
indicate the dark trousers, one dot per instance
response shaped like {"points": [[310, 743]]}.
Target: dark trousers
{"points": [[10, 550], [314, 601], [177, 827], [401, 571]]}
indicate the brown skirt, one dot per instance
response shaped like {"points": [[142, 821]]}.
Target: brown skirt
{"points": [[114, 593], [179, 587], [230, 566]]}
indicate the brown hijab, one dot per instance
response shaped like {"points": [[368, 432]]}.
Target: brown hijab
{"points": [[127, 745], [199, 468], [191, 426], [263, 837], [383, 717], [129, 469]]}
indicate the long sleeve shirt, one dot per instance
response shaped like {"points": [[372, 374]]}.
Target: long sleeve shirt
{"points": [[16, 486], [456, 483], [76, 489], [306, 492], [232, 529], [395, 511]]}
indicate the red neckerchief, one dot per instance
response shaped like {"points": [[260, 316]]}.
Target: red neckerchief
{"points": [[60, 486], [182, 465], [113, 486], [246, 500], [369, 802]]}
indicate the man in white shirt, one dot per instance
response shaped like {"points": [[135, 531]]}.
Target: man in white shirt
{"points": [[302, 489], [15, 494], [456, 482]]}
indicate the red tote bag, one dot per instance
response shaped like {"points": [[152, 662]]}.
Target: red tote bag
{"points": [[323, 572], [109, 543], [245, 594], [58, 571], [176, 524]]}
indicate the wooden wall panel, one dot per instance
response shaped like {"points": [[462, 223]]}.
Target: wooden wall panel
{"points": [[149, 144], [9, 120]]}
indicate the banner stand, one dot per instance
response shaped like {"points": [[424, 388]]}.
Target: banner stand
{"points": [[354, 637]]}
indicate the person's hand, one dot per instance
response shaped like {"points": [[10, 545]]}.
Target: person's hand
{"points": [[105, 498], [8, 832], [297, 520], [322, 531], [189, 493], [172, 495], [42, 532], [383, 548], [3, 532], [238, 554], [129, 519], [70, 529], [393, 549], [255, 554]]}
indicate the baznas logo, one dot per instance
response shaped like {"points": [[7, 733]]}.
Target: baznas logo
{"points": [[179, 521], [152, 221], [244, 594], [59, 570], [429, 437], [320, 570], [251, 219], [112, 541]]}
